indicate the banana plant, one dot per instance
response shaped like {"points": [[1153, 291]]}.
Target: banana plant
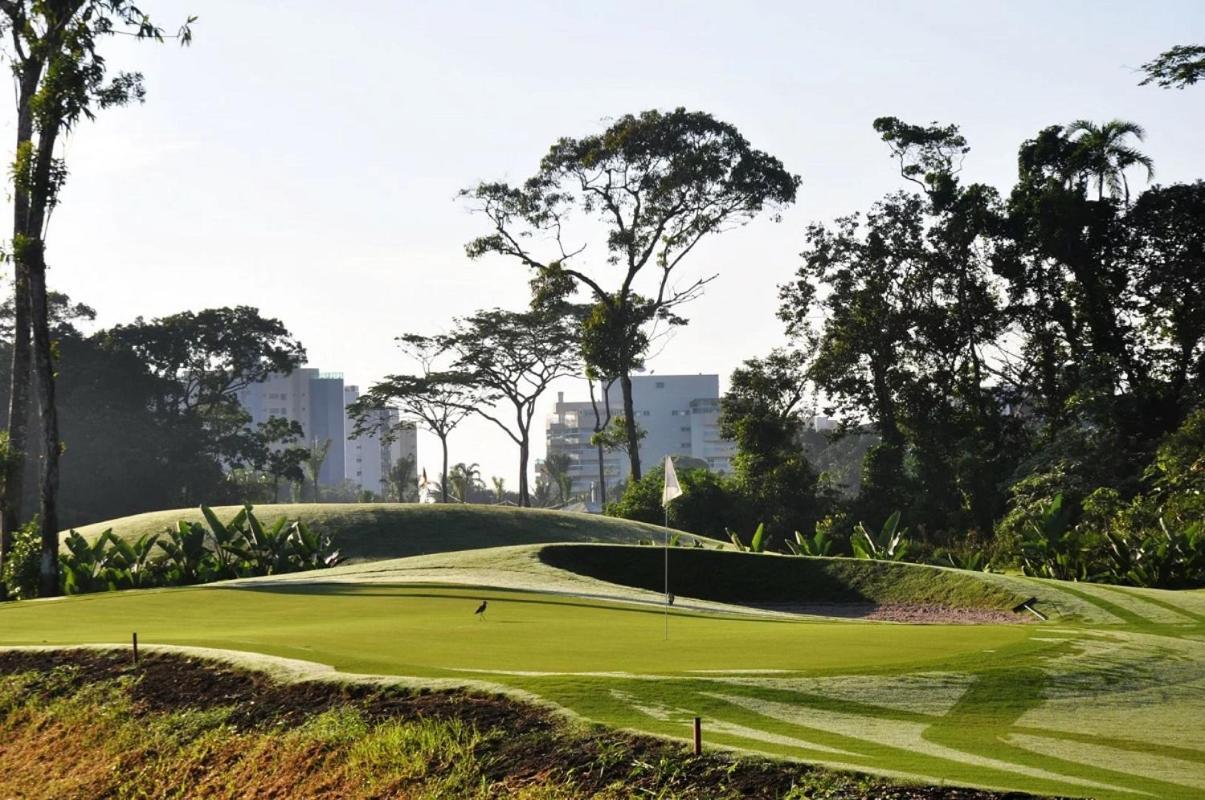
{"points": [[889, 545], [85, 565], [756, 545], [188, 560], [227, 543], [131, 566], [309, 550], [818, 545]]}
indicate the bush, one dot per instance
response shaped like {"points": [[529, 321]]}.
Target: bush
{"points": [[23, 567], [193, 553], [710, 504]]}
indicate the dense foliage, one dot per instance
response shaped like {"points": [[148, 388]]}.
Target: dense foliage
{"points": [[1031, 365], [149, 414], [187, 554]]}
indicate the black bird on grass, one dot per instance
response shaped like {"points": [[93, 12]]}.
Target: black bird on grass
{"points": [[480, 612]]}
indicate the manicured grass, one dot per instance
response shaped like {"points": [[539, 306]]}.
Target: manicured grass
{"points": [[729, 576], [367, 531], [1107, 711], [1106, 701]]}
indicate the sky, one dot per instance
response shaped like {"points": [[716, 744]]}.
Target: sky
{"points": [[304, 157]]}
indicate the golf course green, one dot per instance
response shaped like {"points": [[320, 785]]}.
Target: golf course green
{"points": [[1103, 700]]}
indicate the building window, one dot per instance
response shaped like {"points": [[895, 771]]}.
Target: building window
{"points": [[660, 384]]}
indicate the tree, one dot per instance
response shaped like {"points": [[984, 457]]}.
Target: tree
{"points": [[207, 357], [602, 421], [1102, 152], [710, 504], [1181, 66], [276, 452], [439, 398], [60, 78], [465, 479], [1166, 251], [762, 412], [513, 357], [201, 361], [315, 457], [499, 485], [556, 470], [401, 481], [659, 183]]}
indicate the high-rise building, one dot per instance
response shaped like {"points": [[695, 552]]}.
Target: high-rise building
{"points": [[679, 415], [318, 402], [369, 459]]}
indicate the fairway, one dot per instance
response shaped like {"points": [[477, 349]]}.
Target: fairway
{"points": [[1065, 708]]}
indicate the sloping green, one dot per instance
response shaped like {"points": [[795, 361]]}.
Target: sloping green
{"points": [[368, 531], [733, 577]]}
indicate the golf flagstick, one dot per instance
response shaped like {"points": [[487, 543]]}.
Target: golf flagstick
{"points": [[669, 490]]}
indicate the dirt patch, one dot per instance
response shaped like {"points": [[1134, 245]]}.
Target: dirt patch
{"points": [[521, 745], [915, 614]]}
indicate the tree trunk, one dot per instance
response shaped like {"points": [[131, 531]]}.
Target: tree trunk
{"points": [[13, 480], [524, 495], [12, 486], [43, 358], [629, 420], [602, 479], [443, 476]]}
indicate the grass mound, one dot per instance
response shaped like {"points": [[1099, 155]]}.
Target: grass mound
{"points": [[371, 531], [732, 577]]}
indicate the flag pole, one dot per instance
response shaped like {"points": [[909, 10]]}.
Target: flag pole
{"points": [[669, 490]]}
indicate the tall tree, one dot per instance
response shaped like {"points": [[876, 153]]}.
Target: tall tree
{"points": [[763, 413], [203, 360], [437, 396], [1104, 153], [602, 421], [60, 78], [465, 479], [513, 357], [1181, 66], [401, 481], [276, 451], [315, 458], [556, 469], [658, 183]]}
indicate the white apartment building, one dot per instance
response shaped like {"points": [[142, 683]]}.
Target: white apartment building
{"points": [[318, 401], [368, 458], [679, 414]]}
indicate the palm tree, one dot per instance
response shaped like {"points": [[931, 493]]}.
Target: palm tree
{"points": [[499, 488], [462, 479], [556, 467], [1104, 155], [313, 462], [401, 482]]}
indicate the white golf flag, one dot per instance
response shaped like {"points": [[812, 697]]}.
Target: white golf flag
{"points": [[671, 489]]}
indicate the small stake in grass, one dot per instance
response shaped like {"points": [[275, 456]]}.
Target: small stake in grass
{"points": [[698, 736], [134, 640]]}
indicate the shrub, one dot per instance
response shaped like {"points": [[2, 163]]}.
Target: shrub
{"points": [[193, 553], [23, 567]]}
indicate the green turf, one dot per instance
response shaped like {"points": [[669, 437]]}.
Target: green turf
{"points": [[730, 576], [1104, 702], [368, 531]]}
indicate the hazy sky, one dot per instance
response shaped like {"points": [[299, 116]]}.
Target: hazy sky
{"points": [[304, 156]]}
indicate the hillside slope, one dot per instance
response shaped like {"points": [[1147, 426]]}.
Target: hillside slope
{"points": [[371, 531]]}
